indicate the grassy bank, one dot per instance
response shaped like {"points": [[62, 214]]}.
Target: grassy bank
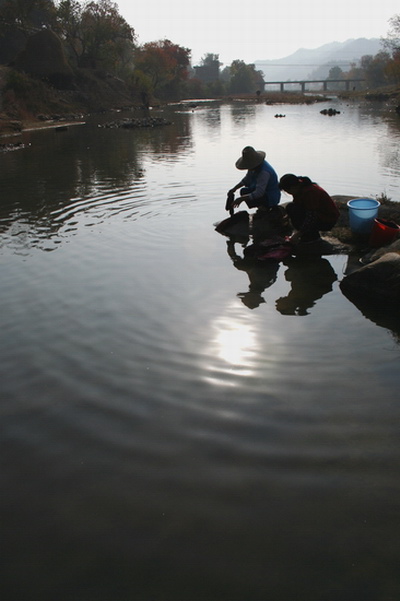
{"points": [[26, 101]]}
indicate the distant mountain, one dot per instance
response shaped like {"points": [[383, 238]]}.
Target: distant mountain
{"points": [[316, 63]]}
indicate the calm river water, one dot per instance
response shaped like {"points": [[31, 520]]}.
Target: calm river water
{"points": [[166, 436]]}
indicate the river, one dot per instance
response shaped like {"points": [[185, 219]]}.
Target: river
{"points": [[169, 434]]}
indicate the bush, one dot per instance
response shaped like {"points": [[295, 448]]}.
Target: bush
{"points": [[24, 96]]}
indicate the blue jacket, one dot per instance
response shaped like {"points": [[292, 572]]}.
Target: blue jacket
{"points": [[262, 185]]}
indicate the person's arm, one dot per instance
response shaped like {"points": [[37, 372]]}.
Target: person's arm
{"points": [[239, 185], [230, 198], [231, 203], [261, 185], [259, 192]]}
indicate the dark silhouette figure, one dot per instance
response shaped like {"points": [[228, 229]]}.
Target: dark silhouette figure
{"points": [[311, 278], [262, 274]]}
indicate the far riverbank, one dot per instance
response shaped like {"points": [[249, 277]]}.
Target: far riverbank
{"points": [[48, 107]]}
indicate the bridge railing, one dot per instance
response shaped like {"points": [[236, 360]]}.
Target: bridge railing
{"points": [[348, 83]]}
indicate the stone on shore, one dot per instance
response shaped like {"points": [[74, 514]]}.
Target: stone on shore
{"points": [[136, 122], [376, 283]]}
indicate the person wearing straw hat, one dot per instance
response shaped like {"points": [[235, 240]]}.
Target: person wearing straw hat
{"points": [[259, 187]]}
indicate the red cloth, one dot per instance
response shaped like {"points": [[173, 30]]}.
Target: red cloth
{"points": [[314, 198]]}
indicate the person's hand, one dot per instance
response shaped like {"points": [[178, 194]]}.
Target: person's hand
{"points": [[295, 238], [237, 202], [229, 201]]}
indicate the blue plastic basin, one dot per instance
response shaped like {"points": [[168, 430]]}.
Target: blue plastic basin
{"points": [[362, 213]]}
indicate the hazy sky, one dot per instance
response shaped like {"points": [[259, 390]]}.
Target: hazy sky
{"points": [[259, 29]]}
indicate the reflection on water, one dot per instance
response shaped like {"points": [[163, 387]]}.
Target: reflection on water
{"points": [[242, 113], [159, 439], [235, 344], [102, 171], [91, 175], [261, 276], [310, 279]]}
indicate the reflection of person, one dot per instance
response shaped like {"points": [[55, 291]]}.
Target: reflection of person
{"points": [[261, 276], [260, 186], [312, 209], [311, 278]]}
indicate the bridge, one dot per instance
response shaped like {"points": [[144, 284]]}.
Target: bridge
{"points": [[304, 83]]}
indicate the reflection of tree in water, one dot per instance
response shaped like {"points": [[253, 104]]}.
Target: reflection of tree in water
{"points": [[211, 118], [70, 170], [262, 274], [85, 168], [389, 151], [388, 147], [311, 278], [171, 141], [241, 113]]}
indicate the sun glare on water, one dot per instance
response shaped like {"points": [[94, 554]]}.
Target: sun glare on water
{"points": [[235, 344], [232, 350]]}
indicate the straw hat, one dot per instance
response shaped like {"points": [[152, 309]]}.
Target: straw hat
{"points": [[250, 158]]}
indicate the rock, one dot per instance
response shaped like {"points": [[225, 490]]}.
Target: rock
{"points": [[11, 146], [375, 254], [330, 112], [136, 122], [375, 290], [236, 227], [377, 283], [326, 245]]}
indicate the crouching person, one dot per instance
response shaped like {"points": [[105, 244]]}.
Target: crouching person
{"points": [[259, 188], [312, 210]]}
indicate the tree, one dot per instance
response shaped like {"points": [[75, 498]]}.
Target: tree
{"points": [[69, 14], [166, 64], [355, 72], [335, 73], [392, 41], [96, 34], [392, 70], [375, 68], [26, 16], [208, 70], [244, 78]]}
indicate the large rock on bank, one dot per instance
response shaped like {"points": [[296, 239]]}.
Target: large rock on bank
{"points": [[377, 283], [375, 290], [374, 286]]}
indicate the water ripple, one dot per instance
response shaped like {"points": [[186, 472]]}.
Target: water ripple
{"points": [[47, 229]]}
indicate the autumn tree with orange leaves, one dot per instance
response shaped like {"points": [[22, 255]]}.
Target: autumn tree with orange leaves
{"points": [[165, 66]]}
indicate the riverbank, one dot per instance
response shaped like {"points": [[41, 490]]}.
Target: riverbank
{"points": [[20, 121], [28, 103]]}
